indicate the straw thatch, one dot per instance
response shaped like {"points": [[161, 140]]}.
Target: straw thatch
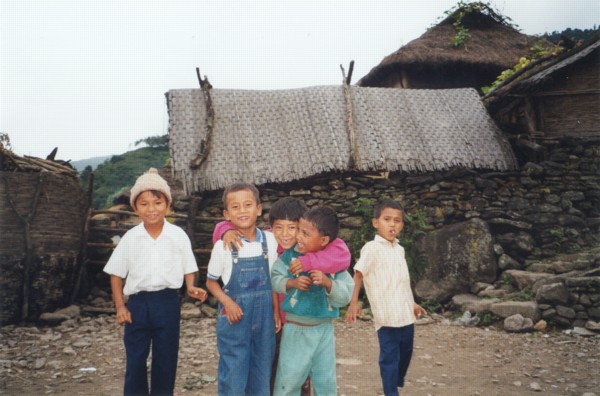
{"points": [[280, 136], [555, 97], [42, 213], [431, 61]]}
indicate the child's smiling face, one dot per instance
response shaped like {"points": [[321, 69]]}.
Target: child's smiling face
{"points": [[242, 209], [285, 232], [309, 238], [151, 207]]}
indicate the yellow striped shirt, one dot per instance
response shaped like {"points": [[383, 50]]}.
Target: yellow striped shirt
{"points": [[387, 282]]}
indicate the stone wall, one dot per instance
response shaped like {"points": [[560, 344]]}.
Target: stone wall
{"points": [[543, 209]]}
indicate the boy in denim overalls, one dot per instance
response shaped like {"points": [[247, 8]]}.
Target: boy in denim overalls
{"points": [[248, 311]]}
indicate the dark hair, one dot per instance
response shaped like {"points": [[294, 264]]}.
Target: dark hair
{"points": [[325, 220], [287, 208], [240, 186], [384, 204]]}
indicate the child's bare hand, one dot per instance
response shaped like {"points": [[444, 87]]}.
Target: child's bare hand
{"points": [[277, 318], [301, 283], [123, 316], [234, 312], [419, 311], [232, 237], [353, 312], [320, 279], [296, 267], [197, 293]]}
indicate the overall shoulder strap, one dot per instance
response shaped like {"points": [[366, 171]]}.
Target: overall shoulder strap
{"points": [[265, 248]]}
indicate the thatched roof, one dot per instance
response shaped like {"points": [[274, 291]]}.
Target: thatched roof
{"points": [[493, 46], [12, 162], [280, 136], [529, 79]]}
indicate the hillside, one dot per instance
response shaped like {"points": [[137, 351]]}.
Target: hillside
{"points": [[119, 173], [93, 162]]}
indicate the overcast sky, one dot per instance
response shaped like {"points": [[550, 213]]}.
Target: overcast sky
{"points": [[90, 76]]}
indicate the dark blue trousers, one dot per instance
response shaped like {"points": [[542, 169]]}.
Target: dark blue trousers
{"points": [[395, 352], [155, 317]]}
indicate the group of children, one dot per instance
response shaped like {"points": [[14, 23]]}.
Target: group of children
{"points": [[278, 292]]}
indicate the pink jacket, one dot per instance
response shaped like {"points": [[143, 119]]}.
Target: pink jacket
{"points": [[334, 258]]}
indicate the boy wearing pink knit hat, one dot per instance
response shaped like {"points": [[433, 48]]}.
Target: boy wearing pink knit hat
{"points": [[149, 266]]}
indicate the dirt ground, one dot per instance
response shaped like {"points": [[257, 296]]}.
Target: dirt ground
{"points": [[87, 358]]}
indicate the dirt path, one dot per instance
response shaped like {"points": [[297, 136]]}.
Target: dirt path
{"points": [[448, 360]]}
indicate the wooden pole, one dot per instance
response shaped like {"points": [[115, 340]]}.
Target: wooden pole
{"points": [[349, 120], [84, 236], [191, 219], [350, 70]]}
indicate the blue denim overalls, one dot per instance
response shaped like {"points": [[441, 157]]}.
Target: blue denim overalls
{"points": [[247, 348]]}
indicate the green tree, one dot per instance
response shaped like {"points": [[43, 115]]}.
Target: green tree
{"points": [[84, 177], [154, 141]]}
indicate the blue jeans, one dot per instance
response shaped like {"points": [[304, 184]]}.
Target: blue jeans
{"points": [[155, 317], [395, 352]]}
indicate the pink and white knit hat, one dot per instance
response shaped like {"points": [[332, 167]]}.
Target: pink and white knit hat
{"points": [[150, 180]]}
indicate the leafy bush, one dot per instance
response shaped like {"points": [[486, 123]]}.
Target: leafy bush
{"points": [[488, 319], [431, 306]]}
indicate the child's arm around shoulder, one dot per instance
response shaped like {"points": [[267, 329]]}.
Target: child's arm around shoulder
{"points": [[226, 232], [334, 258], [220, 229]]}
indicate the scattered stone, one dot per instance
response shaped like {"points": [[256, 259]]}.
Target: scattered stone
{"points": [[191, 313], [69, 351], [490, 293], [39, 363], [479, 286], [593, 326], [583, 332], [71, 311], [208, 311], [535, 386], [472, 303], [528, 309], [518, 324], [53, 317], [540, 326]]}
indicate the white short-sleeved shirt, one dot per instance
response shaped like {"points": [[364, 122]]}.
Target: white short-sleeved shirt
{"points": [[149, 264], [387, 282], [220, 263]]}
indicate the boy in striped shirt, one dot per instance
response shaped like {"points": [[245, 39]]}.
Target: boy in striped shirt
{"points": [[382, 266]]}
